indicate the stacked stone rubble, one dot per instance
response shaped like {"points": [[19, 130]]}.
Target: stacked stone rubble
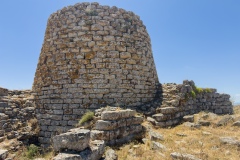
{"points": [[181, 100], [16, 109], [76, 144], [117, 126], [92, 56]]}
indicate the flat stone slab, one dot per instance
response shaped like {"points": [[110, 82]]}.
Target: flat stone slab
{"points": [[114, 115], [77, 139], [157, 146], [168, 110], [3, 154], [94, 152], [189, 118], [116, 134], [180, 156], [111, 125], [229, 141], [159, 117]]}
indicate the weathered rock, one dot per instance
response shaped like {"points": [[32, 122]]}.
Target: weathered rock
{"points": [[191, 125], [204, 123], [94, 152], [179, 156], [3, 154], [151, 120], [77, 139], [145, 140], [229, 141], [110, 154], [157, 146], [114, 115], [237, 123], [154, 136], [225, 120], [189, 118]]}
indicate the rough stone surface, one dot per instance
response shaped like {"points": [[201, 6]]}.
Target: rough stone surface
{"points": [[179, 156], [237, 123], [110, 154], [77, 139], [117, 126], [189, 118], [229, 141], [92, 56], [155, 136], [3, 154], [225, 120], [179, 100], [157, 146], [94, 152]]}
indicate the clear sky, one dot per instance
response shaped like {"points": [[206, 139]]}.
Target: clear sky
{"points": [[191, 39]]}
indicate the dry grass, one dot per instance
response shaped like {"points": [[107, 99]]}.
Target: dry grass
{"points": [[203, 143]]}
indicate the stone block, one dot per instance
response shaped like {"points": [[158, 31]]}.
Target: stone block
{"points": [[114, 115], [168, 110], [77, 139]]}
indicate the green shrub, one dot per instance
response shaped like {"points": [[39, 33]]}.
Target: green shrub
{"points": [[88, 116], [32, 151], [193, 94], [198, 90], [207, 90]]}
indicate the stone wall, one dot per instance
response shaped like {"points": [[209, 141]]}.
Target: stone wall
{"points": [[16, 109], [92, 56], [116, 126], [179, 100]]}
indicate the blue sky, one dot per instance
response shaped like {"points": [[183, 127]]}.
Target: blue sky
{"points": [[197, 40]]}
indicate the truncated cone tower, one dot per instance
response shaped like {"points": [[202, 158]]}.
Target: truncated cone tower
{"points": [[92, 56]]}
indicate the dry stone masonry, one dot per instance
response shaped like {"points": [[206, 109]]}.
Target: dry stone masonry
{"points": [[116, 126], [179, 100], [92, 56], [16, 110]]}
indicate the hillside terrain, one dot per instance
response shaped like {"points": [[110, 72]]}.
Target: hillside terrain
{"points": [[209, 137]]}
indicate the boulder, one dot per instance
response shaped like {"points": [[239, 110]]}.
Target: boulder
{"points": [[237, 123], [77, 139], [110, 154], [157, 146], [225, 120], [3, 154], [229, 141], [154, 136], [180, 156]]}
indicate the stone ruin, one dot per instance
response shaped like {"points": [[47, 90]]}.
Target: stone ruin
{"points": [[94, 56]]}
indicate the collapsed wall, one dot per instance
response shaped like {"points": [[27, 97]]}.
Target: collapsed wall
{"points": [[16, 110], [179, 100], [92, 55]]}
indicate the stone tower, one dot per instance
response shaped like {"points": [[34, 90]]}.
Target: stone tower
{"points": [[92, 56]]}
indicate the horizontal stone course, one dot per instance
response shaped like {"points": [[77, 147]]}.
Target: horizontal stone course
{"points": [[93, 56]]}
